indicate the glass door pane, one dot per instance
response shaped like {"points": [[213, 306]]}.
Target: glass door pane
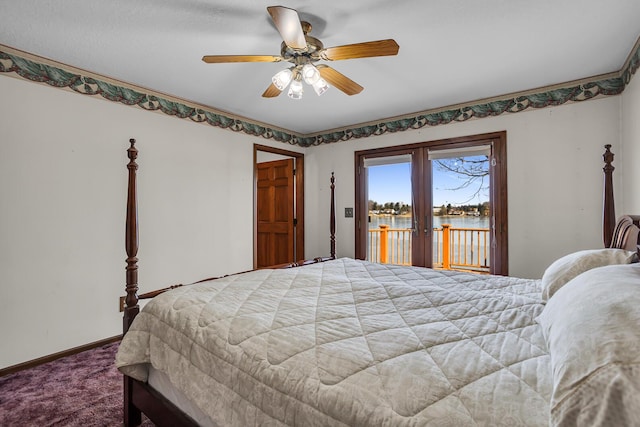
{"points": [[460, 215], [389, 216]]}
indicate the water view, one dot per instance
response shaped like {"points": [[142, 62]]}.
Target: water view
{"points": [[458, 189], [456, 221], [467, 239]]}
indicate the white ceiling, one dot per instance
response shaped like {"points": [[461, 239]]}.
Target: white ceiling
{"points": [[451, 51]]}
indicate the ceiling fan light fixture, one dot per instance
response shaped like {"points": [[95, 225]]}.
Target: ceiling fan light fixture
{"points": [[295, 90], [282, 78], [301, 50], [320, 86], [310, 74]]}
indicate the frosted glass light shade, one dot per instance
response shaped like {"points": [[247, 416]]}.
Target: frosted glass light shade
{"points": [[310, 74], [282, 79], [295, 90], [320, 86]]}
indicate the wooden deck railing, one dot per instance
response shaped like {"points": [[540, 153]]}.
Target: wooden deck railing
{"points": [[390, 245], [453, 248]]}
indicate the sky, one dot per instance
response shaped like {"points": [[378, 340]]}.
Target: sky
{"points": [[392, 183]]}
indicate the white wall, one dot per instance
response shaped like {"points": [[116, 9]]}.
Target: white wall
{"points": [[63, 184], [554, 168], [630, 153]]}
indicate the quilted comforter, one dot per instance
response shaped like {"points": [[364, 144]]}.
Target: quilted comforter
{"points": [[349, 342]]}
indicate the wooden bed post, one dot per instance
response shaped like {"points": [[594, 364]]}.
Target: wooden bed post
{"points": [[332, 220], [131, 241], [609, 210], [154, 405], [132, 415]]}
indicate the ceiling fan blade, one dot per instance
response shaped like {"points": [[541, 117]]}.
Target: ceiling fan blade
{"points": [[339, 80], [217, 59], [387, 47], [288, 24], [271, 92]]}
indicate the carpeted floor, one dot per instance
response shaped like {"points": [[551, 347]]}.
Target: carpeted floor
{"points": [[80, 390]]}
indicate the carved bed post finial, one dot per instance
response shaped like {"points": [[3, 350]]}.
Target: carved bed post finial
{"points": [[332, 221], [131, 240], [609, 210]]}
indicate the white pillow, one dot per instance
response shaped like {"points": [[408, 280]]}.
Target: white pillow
{"points": [[592, 330], [569, 266]]}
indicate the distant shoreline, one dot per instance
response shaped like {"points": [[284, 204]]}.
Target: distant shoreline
{"points": [[390, 215], [407, 222], [440, 216]]}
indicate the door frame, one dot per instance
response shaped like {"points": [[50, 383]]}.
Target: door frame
{"points": [[497, 196], [298, 177]]}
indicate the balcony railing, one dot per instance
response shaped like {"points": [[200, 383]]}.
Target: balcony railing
{"points": [[453, 248]]}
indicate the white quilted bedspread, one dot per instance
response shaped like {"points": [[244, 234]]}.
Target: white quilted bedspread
{"points": [[348, 342]]}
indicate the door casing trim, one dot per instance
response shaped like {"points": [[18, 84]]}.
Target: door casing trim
{"points": [[299, 195], [498, 196]]}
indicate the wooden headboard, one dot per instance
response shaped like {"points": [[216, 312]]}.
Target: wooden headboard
{"points": [[616, 231]]}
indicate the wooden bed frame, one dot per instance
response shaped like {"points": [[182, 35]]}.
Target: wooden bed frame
{"points": [[615, 231], [139, 397]]}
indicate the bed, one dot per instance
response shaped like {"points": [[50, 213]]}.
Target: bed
{"points": [[345, 342]]}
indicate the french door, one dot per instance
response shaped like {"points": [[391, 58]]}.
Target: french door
{"points": [[425, 236]]}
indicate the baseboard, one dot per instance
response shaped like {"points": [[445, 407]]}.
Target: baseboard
{"points": [[52, 357]]}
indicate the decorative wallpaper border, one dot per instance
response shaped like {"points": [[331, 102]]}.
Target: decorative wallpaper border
{"points": [[58, 77]]}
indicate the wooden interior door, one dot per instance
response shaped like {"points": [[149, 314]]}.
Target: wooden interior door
{"points": [[275, 213]]}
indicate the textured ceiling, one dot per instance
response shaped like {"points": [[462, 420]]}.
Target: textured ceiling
{"points": [[451, 52]]}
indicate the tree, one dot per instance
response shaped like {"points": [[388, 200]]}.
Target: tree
{"points": [[484, 209], [473, 170], [398, 207], [404, 209]]}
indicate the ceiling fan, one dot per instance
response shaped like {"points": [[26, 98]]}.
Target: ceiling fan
{"points": [[303, 50]]}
